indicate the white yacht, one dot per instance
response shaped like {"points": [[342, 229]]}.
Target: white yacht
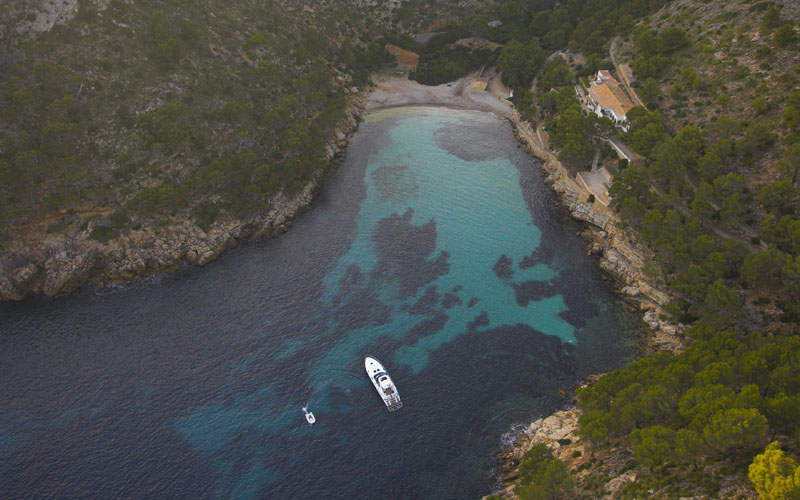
{"points": [[383, 383], [310, 418]]}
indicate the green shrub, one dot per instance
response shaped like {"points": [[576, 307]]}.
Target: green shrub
{"points": [[542, 476], [103, 233], [785, 36]]}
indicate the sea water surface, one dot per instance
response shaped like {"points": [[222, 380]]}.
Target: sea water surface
{"points": [[434, 247]]}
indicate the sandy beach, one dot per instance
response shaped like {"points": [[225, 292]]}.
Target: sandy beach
{"points": [[394, 90]]}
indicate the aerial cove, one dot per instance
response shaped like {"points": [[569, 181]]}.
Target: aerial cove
{"points": [[444, 255]]}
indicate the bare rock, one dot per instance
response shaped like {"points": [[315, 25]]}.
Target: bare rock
{"points": [[618, 482], [630, 291], [69, 269], [651, 318], [595, 249], [656, 295], [558, 426], [15, 282]]}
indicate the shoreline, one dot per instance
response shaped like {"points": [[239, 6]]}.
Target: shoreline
{"points": [[393, 91], [60, 264], [620, 256]]}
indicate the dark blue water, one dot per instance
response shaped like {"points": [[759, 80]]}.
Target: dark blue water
{"points": [[434, 247]]}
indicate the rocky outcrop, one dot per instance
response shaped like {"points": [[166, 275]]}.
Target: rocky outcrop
{"points": [[61, 264], [559, 432], [30, 17], [625, 260], [621, 256]]}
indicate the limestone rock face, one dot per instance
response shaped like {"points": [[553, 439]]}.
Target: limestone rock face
{"points": [[69, 265], [59, 263], [15, 281], [620, 256], [618, 482], [388, 4], [560, 425], [631, 291], [42, 15], [30, 17]]}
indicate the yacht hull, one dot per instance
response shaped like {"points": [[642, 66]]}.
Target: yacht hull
{"points": [[383, 383]]}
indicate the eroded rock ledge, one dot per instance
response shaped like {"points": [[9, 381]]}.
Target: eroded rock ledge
{"points": [[624, 259], [59, 264], [620, 256], [559, 432]]}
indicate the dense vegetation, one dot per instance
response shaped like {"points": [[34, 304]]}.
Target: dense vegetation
{"points": [[730, 172], [716, 198], [722, 399], [442, 60], [535, 29], [145, 110], [541, 477]]}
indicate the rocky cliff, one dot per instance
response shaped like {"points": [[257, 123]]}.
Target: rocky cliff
{"points": [[620, 255], [625, 260], [559, 432], [59, 264]]}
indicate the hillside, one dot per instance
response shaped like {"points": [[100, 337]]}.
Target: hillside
{"points": [[125, 123], [721, 137], [715, 198], [138, 135]]}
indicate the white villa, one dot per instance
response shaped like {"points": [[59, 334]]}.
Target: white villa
{"points": [[606, 98]]}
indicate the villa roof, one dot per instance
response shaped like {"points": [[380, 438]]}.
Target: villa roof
{"points": [[609, 96], [604, 74]]}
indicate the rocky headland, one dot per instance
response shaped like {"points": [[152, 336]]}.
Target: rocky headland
{"points": [[60, 263], [56, 264]]}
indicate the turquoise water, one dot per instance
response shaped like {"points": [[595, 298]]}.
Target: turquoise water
{"points": [[435, 247], [479, 214]]}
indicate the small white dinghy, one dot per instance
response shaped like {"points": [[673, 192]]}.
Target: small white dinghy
{"points": [[310, 418]]}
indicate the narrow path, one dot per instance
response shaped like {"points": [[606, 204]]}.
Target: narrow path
{"points": [[622, 76], [630, 154], [747, 230], [685, 212]]}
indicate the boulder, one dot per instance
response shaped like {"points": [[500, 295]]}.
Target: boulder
{"points": [[651, 319], [559, 425], [630, 291], [618, 482]]}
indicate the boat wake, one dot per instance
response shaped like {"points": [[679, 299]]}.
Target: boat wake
{"points": [[508, 437], [113, 288], [310, 418]]}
